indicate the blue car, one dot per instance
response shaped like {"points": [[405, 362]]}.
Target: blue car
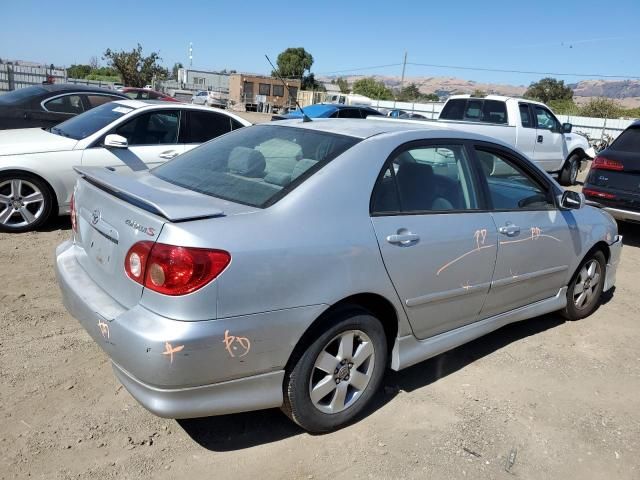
{"points": [[330, 110]]}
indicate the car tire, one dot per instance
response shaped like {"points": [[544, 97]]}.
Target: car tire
{"points": [[26, 202], [569, 174], [350, 384], [584, 291]]}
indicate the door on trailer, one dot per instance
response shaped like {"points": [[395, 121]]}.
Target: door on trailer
{"points": [[439, 248]]}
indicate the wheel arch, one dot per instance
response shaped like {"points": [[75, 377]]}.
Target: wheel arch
{"points": [[47, 183], [374, 303], [601, 246]]}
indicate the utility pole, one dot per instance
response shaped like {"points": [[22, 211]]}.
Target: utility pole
{"points": [[404, 66]]}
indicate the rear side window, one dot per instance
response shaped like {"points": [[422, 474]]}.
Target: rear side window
{"points": [[349, 113], [525, 116], [97, 100], [453, 110], [433, 178], [203, 126], [256, 165], [627, 141], [494, 111], [65, 104]]}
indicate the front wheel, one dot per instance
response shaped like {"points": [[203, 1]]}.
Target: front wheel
{"points": [[583, 294], [335, 378], [569, 174], [25, 202]]}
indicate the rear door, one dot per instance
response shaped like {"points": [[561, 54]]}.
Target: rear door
{"points": [[152, 137], [526, 136], [534, 241], [550, 149], [57, 109], [437, 244]]}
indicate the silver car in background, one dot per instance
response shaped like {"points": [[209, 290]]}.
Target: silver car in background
{"points": [[289, 264]]}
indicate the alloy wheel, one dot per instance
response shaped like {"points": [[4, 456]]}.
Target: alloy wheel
{"points": [[342, 372], [586, 284], [21, 203]]}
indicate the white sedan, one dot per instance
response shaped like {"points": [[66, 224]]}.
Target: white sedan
{"points": [[36, 165]]}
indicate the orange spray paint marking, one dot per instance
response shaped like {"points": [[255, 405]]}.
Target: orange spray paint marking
{"points": [[170, 350], [104, 329], [231, 343], [480, 237]]}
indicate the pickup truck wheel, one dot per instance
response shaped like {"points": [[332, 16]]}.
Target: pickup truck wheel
{"points": [[25, 202], [569, 174], [337, 375], [583, 294]]}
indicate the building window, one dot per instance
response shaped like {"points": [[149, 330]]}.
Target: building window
{"points": [[278, 90], [293, 93], [264, 89], [198, 80]]}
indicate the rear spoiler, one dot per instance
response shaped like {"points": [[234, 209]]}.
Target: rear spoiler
{"points": [[150, 193]]}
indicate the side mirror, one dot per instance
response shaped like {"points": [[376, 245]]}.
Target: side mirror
{"points": [[115, 141], [571, 200], [566, 128]]}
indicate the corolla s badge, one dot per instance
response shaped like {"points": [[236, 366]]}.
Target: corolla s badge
{"points": [[95, 217], [148, 230]]}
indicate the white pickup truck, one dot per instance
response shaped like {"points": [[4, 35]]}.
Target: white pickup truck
{"points": [[529, 126]]}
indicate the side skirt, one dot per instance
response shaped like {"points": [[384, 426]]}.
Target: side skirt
{"points": [[409, 350]]}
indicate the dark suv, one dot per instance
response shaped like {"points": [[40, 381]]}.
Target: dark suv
{"points": [[614, 179]]}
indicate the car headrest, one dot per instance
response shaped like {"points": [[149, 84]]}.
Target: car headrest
{"points": [[247, 162], [414, 171], [301, 167]]}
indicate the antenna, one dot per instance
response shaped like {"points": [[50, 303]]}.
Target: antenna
{"points": [[275, 70]]}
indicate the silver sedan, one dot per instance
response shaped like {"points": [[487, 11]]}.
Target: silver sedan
{"points": [[290, 264]]}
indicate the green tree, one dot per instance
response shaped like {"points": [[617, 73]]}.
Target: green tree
{"points": [[370, 87], [601, 108], [549, 89], [343, 85], [293, 63], [309, 82], [78, 71], [135, 69], [174, 70], [564, 107], [479, 93], [409, 93]]}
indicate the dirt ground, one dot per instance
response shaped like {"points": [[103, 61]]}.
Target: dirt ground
{"points": [[538, 399]]}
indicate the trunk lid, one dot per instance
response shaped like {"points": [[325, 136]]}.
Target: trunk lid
{"points": [[115, 211]]}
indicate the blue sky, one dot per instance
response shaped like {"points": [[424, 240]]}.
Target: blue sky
{"points": [[591, 37]]}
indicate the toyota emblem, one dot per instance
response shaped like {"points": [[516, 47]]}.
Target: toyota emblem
{"points": [[95, 217]]}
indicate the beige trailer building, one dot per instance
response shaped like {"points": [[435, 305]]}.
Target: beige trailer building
{"points": [[261, 93]]}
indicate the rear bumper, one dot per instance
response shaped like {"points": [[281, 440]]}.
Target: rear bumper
{"points": [[621, 214], [615, 249], [184, 369]]}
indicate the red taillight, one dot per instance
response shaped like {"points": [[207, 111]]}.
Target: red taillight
{"points": [[74, 218], [597, 193], [604, 163], [173, 270]]}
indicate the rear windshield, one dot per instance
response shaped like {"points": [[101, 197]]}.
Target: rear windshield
{"points": [[19, 95], [89, 122], [475, 110], [627, 141], [254, 166]]}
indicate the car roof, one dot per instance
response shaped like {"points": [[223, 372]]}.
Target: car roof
{"points": [[160, 104], [62, 87], [502, 98]]}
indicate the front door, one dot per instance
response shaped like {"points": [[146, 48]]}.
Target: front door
{"points": [[550, 149], [438, 247], [534, 243], [152, 139]]}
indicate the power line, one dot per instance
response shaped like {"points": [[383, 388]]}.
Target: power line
{"points": [[359, 69], [499, 70]]}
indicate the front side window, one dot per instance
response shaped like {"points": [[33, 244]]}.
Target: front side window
{"points": [[510, 187], [203, 126], [545, 119], [256, 165], [349, 113], [434, 178], [65, 104], [264, 89], [152, 128]]}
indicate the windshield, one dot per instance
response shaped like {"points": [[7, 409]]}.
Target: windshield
{"points": [[256, 165], [17, 96], [87, 123]]}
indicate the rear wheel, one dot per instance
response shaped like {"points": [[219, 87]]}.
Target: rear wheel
{"points": [[336, 376], [25, 202], [569, 174], [583, 294]]}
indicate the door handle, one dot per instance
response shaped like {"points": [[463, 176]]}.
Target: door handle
{"points": [[403, 237], [540, 139], [509, 230], [169, 154]]}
